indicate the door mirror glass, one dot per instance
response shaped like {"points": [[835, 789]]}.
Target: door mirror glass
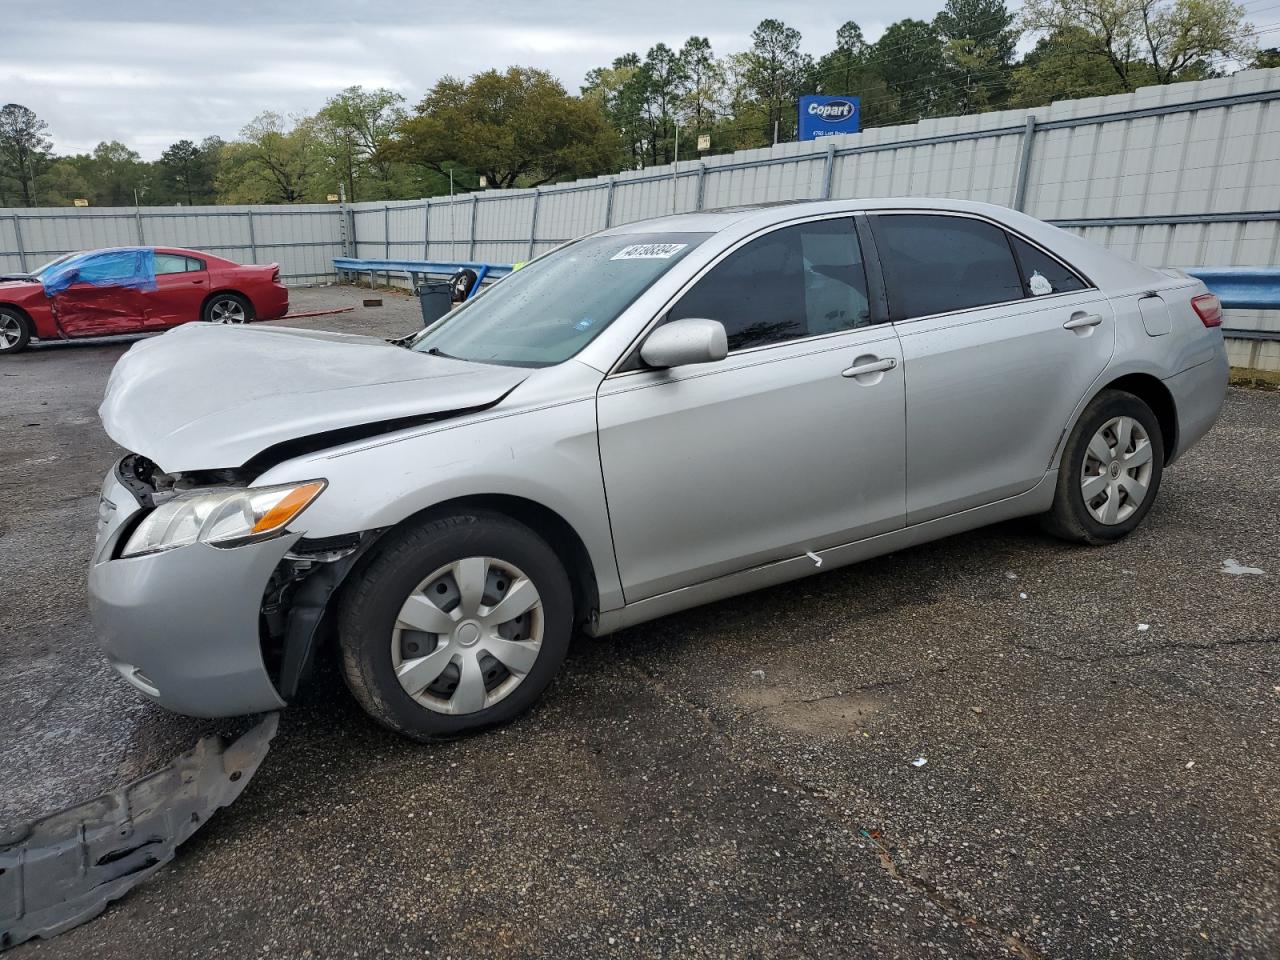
{"points": [[692, 340]]}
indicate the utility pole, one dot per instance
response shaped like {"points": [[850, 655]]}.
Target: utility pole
{"points": [[675, 166]]}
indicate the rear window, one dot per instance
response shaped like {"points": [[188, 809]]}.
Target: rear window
{"points": [[937, 264], [1044, 274]]}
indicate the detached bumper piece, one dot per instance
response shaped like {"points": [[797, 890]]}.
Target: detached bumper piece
{"points": [[62, 870]]}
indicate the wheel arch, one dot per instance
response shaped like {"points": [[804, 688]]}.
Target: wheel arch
{"points": [[558, 533], [1152, 391], [204, 304]]}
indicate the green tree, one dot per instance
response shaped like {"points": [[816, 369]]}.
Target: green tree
{"points": [[355, 127], [186, 171], [778, 74], [909, 56], [274, 161], [24, 151], [1266, 58], [117, 175], [1055, 70], [665, 79], [63, 182], [979, 38], [1176, 39], [619, 91], [703, 84], [850, 70], [516, 128]]}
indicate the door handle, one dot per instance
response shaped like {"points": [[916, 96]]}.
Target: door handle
{"points": [[1081, 320], [875, 366]]}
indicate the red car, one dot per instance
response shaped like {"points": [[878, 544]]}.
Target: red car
{"points": [[188, 285]]}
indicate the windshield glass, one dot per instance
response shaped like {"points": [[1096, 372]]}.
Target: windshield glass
{"points": [[548, 311], [53, 263]]}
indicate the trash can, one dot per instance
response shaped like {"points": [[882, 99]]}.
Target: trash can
{"points": [[434, 297]]}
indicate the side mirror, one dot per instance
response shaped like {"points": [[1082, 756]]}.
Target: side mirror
{"points": [[692, 340]]}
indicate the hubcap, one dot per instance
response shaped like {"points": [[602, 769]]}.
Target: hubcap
{"points": [[10, 331], [1116, 473], [467, 635], [227, 311]]}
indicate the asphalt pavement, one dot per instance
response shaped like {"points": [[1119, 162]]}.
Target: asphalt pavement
{"points": [[1100, 729]]}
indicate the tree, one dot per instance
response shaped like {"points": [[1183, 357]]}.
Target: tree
{"points": [[703, 84], [516, 128], [1055, 70], [274, 161], [665, 80], [117, 174], [909, 56], [24, 149], [355, 128], [850, 70], [979, 41], [186, 171], [1172, 37], [63, 182], [778, 73], [620, 92]]}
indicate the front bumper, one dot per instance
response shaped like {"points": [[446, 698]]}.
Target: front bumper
{"points": [[182, 626]]}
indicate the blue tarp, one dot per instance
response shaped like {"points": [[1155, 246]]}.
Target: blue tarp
{"points": [[130, 267]]}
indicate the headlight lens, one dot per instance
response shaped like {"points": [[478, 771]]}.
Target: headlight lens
{"points": [[224, 518]]}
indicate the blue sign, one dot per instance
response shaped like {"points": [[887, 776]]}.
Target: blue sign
{"points": [[827, 116]]}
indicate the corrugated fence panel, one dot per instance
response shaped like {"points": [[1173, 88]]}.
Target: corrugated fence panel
{"points": [[1178, 175]]}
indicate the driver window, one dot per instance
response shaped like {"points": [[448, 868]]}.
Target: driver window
{"points": [[800, 281]]}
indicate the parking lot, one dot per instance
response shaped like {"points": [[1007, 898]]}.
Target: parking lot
{"points": [[1101, 731]]}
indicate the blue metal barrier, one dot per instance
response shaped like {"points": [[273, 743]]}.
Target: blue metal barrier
{"points": [[424, 268], [1242, 288]]}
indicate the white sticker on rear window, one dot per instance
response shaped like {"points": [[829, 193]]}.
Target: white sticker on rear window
{"points": [[1039, 285], [649, 251]]}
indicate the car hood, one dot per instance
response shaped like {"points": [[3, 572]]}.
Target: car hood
{"points": [[204, 397]]}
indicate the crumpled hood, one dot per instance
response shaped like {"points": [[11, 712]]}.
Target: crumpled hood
{"points": [[205, 396]]}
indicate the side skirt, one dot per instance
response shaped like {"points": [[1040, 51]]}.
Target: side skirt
{"points": [[1036, 500]]}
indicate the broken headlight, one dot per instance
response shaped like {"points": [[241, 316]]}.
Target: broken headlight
{"points": [[224, 518]]}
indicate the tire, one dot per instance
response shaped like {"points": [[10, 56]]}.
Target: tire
{"points": [[1114, 476], [15, 331], [437, 559], [227, 308]]}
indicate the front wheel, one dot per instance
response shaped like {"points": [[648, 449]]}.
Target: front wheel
{"points": [[228, 308], [457, 624], [1110, 471], [15, 331]]}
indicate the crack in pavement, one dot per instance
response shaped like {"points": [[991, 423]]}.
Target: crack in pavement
{"points": [[930, 891], [1143, 651]]}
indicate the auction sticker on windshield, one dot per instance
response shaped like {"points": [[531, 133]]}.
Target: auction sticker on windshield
{"points": [[649, 251]]}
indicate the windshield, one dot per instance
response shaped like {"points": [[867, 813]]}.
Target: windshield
{"points": [[52, 263], [548, 311]]}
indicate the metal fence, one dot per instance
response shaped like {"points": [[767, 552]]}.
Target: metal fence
{"points": [[1170, 176]]}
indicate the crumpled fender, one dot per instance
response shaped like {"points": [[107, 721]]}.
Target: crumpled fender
{"points": [[62, 870]]}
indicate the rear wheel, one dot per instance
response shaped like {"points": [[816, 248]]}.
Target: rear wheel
{"points": [[228, 308], [15, 331], [456, 625], [1110, 471]]}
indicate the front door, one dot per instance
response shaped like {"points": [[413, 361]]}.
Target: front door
{"points": [[792, 443], [1001, 341]]}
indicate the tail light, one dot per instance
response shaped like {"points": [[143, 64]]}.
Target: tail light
{"points": [[1208, 308]]}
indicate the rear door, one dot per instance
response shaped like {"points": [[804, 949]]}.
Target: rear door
{"points": [[792, 443], [182, 283], [1000, 341]]}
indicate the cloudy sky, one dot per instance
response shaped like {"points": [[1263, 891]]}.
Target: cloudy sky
{"points": [[147, 72]]}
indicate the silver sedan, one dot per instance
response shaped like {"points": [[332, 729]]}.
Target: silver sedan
{"points": [[649, 418]]}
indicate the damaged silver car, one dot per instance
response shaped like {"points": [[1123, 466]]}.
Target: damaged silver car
{"points": [[650, 418]]}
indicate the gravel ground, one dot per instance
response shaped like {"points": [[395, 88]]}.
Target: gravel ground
{"points": [[1092, 788]]}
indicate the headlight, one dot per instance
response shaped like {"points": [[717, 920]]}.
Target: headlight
{"points": [[224, 518]]}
